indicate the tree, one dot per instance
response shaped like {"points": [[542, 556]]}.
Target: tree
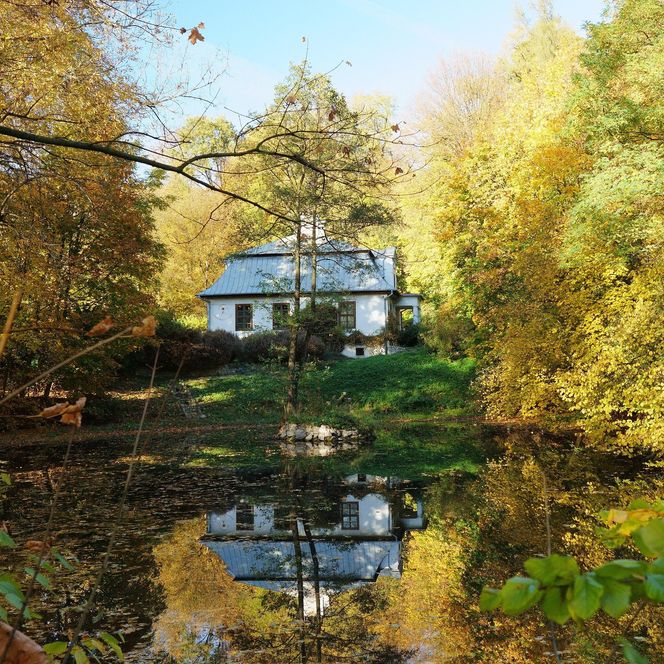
{"points": [[331, 195]]}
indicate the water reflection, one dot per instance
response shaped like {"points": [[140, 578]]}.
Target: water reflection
{"points": [[322, 535], [298, 563]]}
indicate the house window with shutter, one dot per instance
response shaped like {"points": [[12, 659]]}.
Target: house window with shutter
{"points": [[280, 313], [347, 318], [350, 515], [243, 317]]}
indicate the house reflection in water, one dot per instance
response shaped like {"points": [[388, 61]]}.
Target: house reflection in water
{"points": [[354, 535]]}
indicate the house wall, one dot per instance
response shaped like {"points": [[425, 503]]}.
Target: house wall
{"points": [[369, 312], [374, 519]]}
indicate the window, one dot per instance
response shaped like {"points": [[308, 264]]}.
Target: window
{"points": [[359, 351], [347, 315], [244, 517], [280, 313], [350, 515], [243, 317]]}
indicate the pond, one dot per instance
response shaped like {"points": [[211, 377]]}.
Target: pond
{"points": [[319, 559]]}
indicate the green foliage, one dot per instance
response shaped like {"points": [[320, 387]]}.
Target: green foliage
{"points": [[549, 226], [563, 592]]}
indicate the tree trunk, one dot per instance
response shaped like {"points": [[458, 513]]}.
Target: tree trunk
{"points": [[300, 587], [293, 365], [314, 275], [316, 572]]}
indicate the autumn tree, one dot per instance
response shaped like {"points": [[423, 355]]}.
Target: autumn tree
{"points": [[339, 187]]}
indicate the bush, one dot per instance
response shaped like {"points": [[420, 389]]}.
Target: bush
{"points": [[226, 345], [201, 350], [450, 332], [410, 335], [273, 346]]}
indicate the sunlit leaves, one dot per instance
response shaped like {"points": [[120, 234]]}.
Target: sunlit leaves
{"points": [[552, 570], [147, 328], [555, 605]]}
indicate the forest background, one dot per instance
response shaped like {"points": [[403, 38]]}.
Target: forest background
{"points": [[530, 219]]}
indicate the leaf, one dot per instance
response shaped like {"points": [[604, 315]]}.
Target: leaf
{"points": [[54, 411], [15, 600], [395, 128], [8, 582], [555, 607], [586, 596], [621, 569], [102, 327], [3, 614], [195, 36], [490, 599], [201, 26], [72, 414], [654, 587], [6, 540], [55, 648], [183, 30], [80, 656], [146, 329], [112, 644], [94, 644], [62, 560], [553, 569], [631, 654], [616, 597], [39, 577], [657, 566], [398, 170], [650, 538], [6, 479], [519, 594]]}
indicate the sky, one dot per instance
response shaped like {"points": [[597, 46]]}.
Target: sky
{"points": [[392, 46]]}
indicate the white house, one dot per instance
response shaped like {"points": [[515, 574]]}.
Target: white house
{"points": [[255, 291], [356, 543]]}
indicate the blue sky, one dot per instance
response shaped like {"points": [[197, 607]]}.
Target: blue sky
{"points": [[392, 45]]}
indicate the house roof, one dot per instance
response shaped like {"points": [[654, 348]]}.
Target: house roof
{"points": [[269, 269], [265, 560]]}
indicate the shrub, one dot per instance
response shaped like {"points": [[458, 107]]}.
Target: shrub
{"points": [[410, 335], [226, 345], [273, 346], [450, 332], [201, 350]]}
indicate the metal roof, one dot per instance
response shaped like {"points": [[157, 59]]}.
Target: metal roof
{"points": [[275, 560], [269, 269]]}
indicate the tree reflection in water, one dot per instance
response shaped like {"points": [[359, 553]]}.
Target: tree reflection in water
{"points": [[172, 592], [293, 570]]}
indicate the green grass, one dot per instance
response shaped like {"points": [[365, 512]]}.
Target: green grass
{"points": [[408, 385], [399, 396]]}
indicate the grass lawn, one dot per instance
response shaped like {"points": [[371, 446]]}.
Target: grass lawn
{"points": [[412, 384], [410, 400], [413, 401]]}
